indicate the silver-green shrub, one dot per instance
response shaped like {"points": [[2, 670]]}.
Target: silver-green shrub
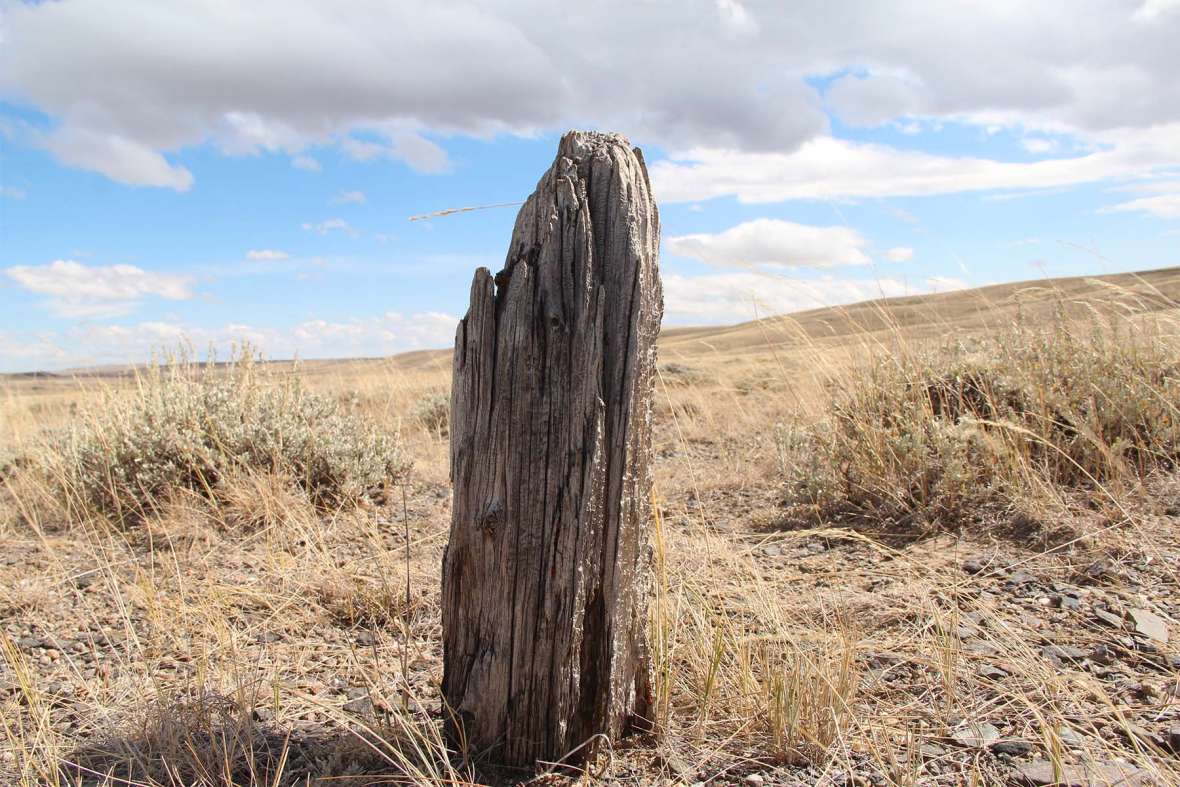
{"points": [[188, 426], [928, 440], [433, 411]]}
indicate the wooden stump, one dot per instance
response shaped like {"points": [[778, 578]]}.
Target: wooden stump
{"points": [[546, 575]]}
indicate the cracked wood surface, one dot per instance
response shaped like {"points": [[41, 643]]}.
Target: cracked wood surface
{"points": [[546, 574]]}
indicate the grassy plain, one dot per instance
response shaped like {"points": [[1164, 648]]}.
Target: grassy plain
{"points": [[820, 616]]}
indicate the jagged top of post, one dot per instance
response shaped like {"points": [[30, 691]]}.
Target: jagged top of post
{"points": [[578, 145]]}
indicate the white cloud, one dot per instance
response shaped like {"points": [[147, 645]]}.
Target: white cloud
{"points": [[11, 192], [1163, 186], [119, 158], [1039, 145], [266, 255], [900, 254], [871, 101], [419, 153], [1152, 9], [774, 243], [829, 168], [350, 198], [736, 20], [330, 225], [725, 298], [94, 345], [1165, 206], [192, 72], [305, 163], [1157, 197], [80, 291]]}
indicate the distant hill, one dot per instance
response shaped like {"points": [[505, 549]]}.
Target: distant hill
{"points": [[1146, 292], [1155, 291]]}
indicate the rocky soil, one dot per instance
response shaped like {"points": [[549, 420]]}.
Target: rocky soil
{"points": [[976, 660]]}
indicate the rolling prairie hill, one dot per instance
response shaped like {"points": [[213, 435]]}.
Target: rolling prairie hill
{"points": [[916, 316], [1154, 292]]}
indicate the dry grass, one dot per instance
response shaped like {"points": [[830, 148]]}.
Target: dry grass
{"points": [[248, 638]]}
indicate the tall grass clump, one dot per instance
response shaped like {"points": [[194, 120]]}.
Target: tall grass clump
{"points": [[945, 437], [191, 427]]}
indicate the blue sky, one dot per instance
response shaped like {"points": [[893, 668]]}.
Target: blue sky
{"points": [[188, 173]]}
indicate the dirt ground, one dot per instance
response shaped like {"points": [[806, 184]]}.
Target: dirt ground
{"points": [[187, 653]]}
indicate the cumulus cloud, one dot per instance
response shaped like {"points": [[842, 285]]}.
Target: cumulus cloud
{"points": [[350, 198], [1160, 198], [728, 74], [772, 242], [1038, 145], [1165, 206], [829, 168], [419, 153], [900, 254], [74, 290], [736, 20], [1152, 9], [871, 101], [734, 297], [305, 163], [119, 158], [378, 335], [266, 255], [330, 225]]}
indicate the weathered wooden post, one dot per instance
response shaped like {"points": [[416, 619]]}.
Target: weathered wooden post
{"points": [[545, 578]]}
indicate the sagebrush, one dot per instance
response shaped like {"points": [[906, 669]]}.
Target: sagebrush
{"points": [[194, 427], [939, 438]]}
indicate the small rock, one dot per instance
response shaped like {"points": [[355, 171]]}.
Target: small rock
{"points": [[755, 779], [772, 550], [1012, 747], [976, 736], [1062, 653], [1149, 625], [931, 751], [882, 658], [992, 672], [1101, 654], [1098, 569], [1141, 735], [1070, 737], [673, 764], [360, 706], [365, 638], [1174, 738], [1108, 774], [1109, 618], [1032, 622], [974, 565], [1019, 577], [979, 648]]}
